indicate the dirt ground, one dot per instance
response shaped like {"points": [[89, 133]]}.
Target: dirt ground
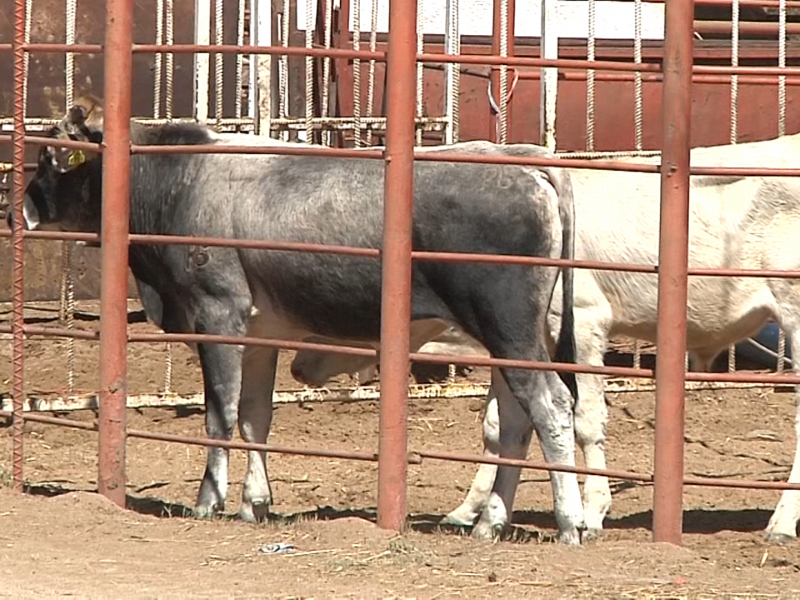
{"points": [[61, 539]]}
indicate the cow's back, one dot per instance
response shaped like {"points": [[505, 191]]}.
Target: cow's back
{"points": [[733, 224]]}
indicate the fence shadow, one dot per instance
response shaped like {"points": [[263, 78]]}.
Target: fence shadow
{"points": [[530, 525], [695, 521]]}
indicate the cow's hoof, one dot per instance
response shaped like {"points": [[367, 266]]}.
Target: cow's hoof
{"points": [[206, 511], [774, 537], [256, 511], [592, 534], [459, 518], [570, 538], [485, 531]]}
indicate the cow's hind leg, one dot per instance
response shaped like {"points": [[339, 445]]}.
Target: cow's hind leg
{"points": [[591, 416], [255, 417], [782, 525], [528, 400], [483, 482], [222, 381], [513, 435]]}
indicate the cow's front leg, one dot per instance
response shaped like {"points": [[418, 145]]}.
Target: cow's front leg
{"points": [[255, 417], [222, 382], [782, 525]]}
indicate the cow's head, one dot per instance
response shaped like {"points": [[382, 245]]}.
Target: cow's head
{"points": [[62, 194]]}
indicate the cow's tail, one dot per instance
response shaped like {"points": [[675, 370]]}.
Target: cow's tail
{"points": [[566, 346]]}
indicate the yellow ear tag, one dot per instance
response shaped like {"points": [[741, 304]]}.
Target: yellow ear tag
{"points": [[76, 158]]}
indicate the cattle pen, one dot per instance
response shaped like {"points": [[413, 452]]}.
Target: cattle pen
{"points": [[387, 429]]}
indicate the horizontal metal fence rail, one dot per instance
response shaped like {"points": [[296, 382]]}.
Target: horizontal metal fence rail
{"points": [[471, 59], [419, 255], [414, 457]]}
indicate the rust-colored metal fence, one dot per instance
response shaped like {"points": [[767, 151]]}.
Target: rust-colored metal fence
{"points": [[396, 254]]}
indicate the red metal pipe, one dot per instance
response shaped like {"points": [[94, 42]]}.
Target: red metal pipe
{"points": [[183, 439], [672, 275], [479, 59], [467, 59], [415, 457], [771, 379], [251, 341], [78, 334], [274, 50], [289, 150], [417, 254], [745, 27], [758, 71], [35, 140], [54, 235], [398, 210], [422, 155], [536, 75], [759, 3], [114, 247], [768, 379], [611, 473], [18, 321]]}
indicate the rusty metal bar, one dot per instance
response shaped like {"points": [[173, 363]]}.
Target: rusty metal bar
{"points": [[210, 48], [611, 473], [114, 249], [745, 27], [398, 210], [532, 75], [474, 59], [417, 254], [672, 276], [35, 140], [18, 322], [166, 437], [414, 457], [584, 368], [77, 334], [422, 155], [600, 65], [764, 3], [251, 341], [475, 360]]}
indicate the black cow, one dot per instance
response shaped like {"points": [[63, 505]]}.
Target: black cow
{"points": [[458, 207]]}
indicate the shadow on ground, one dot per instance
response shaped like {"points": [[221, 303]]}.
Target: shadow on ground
{"points": [[530, 525]]}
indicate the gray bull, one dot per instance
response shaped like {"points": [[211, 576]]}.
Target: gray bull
{"points": [[458, 207]]}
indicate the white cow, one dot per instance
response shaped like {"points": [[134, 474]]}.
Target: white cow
{"points": [[734, 223]]}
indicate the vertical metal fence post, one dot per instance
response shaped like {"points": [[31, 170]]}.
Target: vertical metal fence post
{"points": [[503, 21], [18, 322], [672, 279], [396, 263], [114, 260]]}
